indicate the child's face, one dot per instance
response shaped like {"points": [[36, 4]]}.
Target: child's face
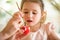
{"points": [[32, 13]]}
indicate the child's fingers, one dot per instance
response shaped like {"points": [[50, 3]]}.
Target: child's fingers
{"points": [[49, 28]]}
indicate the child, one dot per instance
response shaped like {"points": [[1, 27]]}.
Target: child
{"points": [[34, 17]]}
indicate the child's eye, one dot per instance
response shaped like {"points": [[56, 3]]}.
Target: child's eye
{"points": [[26, 12], [34, 13]]}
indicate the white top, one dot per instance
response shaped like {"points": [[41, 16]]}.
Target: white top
{"points": [[38, 35]]}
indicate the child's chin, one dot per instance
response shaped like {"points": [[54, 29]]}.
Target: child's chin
{"points": [[30, 24]]}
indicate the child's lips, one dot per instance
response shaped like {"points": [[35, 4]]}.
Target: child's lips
{"points": [[29, 20]]}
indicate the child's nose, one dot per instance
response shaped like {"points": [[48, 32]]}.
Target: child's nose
{"points": [[30, 15]]}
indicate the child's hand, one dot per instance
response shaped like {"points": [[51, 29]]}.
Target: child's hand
{"points": [[49, 28]]}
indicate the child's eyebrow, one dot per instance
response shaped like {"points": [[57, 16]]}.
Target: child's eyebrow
{"points": [[25, 9], [28, 10], [35, 10]]}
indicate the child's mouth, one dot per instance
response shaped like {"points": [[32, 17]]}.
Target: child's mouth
{"points": [[29, 20]]}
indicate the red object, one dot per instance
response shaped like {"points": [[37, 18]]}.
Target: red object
{"points": [[26, 31]]}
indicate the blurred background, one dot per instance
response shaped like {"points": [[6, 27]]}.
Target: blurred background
{"points": [[9, 7]]}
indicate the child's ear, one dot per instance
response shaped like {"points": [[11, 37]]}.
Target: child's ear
{"points": [[44, 13], [43, 17]]}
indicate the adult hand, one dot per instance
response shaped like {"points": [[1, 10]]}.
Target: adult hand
{"points": [[13, 25]]}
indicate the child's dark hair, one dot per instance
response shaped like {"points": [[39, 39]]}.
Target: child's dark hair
{"points": [[40, 2]]}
